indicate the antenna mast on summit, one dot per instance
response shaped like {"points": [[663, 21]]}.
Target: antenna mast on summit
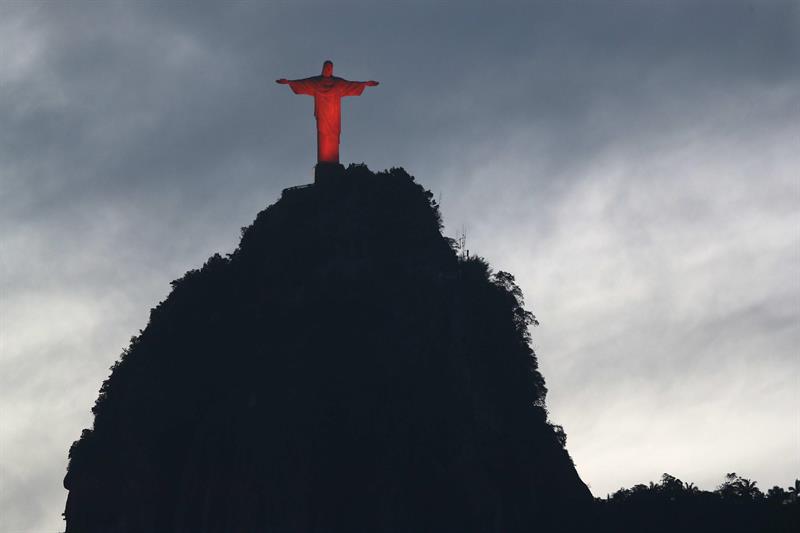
{"points": [[462, 243]]}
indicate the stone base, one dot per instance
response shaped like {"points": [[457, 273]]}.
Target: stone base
{"points": [[325, 173]]}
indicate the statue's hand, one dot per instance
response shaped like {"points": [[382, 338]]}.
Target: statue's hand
{"points": [[372, 83], [282, 81]]}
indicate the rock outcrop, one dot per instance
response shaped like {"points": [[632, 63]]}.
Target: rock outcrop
{"points": [[343, 370]]}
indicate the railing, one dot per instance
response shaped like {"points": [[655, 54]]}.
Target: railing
{"points": [[290, 190]]}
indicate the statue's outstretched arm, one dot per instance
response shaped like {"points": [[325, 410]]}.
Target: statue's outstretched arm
{"points": [[355, 88], [304, 86]]}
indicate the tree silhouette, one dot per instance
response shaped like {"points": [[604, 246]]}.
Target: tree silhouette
{"points": [[672, 505], [794, 490], [737, 487], [777, 495]]}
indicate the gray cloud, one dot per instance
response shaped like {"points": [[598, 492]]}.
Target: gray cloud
{"points": [[635, 165]]}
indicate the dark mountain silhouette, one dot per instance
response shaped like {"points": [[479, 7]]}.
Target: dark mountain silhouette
{"points": [[343, 370]]}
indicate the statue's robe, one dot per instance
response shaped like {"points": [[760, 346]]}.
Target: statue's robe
{"points": [[328, 92]]}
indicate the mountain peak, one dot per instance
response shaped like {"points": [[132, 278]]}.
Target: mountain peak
{"points": [[343, 370]]}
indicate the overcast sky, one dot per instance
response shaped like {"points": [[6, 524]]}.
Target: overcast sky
{"points": [[633, 164]]}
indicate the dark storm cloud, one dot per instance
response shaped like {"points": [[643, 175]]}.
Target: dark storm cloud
{"points": [[633, 164]]}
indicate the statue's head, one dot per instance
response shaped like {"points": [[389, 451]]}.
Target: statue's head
{"points": [[327, 68]]}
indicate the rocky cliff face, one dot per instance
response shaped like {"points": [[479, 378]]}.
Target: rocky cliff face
{"points": [[343, 370]]}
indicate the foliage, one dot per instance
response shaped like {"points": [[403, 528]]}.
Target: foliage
{"points": [[737, 505]]}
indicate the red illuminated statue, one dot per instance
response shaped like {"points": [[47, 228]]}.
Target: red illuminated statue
{"points": [[328, 91]]}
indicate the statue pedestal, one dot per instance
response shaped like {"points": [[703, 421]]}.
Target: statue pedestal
{"points": [[328, 173]]}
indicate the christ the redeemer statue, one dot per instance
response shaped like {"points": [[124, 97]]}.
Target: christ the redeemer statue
{"points": [[328, 91]]}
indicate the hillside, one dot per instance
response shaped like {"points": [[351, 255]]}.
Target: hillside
{"points": [[343, 370]]}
